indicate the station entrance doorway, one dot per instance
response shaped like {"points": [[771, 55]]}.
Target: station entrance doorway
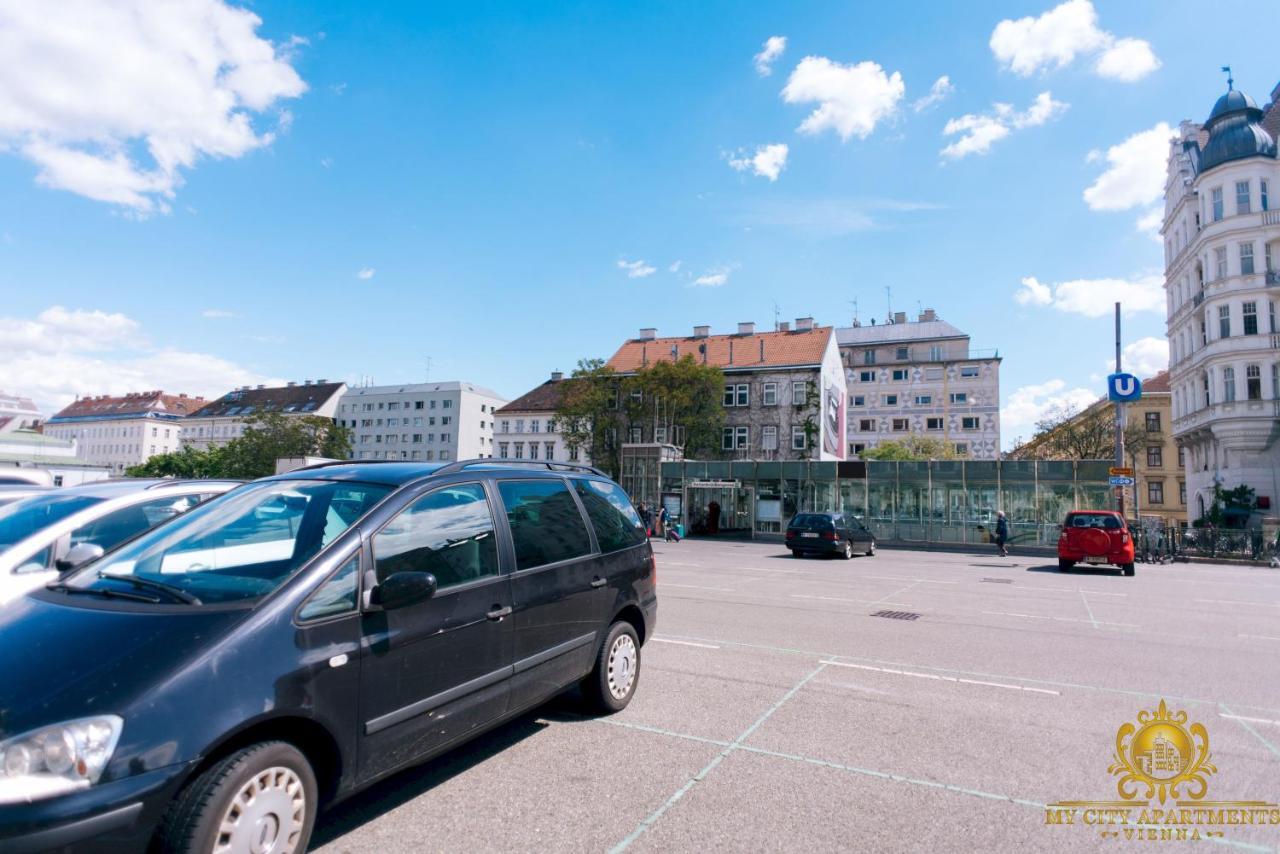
{"points": [[719, 508]]}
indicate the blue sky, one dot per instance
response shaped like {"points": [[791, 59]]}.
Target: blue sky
{"points": [[505, 176]]}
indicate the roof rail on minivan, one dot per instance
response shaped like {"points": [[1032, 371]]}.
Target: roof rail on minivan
{"points": [[550, 465]]}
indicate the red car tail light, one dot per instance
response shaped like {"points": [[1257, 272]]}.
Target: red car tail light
{"points": [[828, 535]]}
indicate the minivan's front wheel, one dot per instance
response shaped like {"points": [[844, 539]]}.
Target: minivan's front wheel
{"points": [[260, 799], [613, 681]]}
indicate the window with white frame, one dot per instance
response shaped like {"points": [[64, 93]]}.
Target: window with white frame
{"points": [[969, 423], [1224, 321], [1242, 197], [924, 400], [534, 424], [799, 441], [933, 423], [1253, 382], [1155, 492], [890, 400], [1217, 204], [737, 395], [900, 374], [726, 438], [1220, 262], [969, 372], [1262, 186], [935, 352], [868, 357], [867, 425], [634, 435], [866, 376], [858, 400], [1228, 384], [901, 425], [660, 434], [519, 448], [1250, 318], [799, 392], [769, 437], [903, 354], [769, 394], [959, 397], [962, 449], [533, 450], [549, 450], [1246, 259]]}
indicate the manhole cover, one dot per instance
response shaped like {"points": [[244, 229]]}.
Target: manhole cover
{"points": [[897, 615], [998, 580]]}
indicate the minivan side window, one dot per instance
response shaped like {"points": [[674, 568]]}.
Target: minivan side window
{"points": [[616, 522], [447, 532], [336, 596], [546, 526], [117, 526]]}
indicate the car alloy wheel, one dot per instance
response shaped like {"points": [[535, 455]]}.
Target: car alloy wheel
{"points": [[848, 550], [266, 816], [622, 666], [871, 549]]}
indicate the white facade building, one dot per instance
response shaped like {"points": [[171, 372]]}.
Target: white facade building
{"points": [[1222, 253], [217, 423], [123, 431], [428, 422], [923, 378], [525, 427], [18, 413], [59, 458]]}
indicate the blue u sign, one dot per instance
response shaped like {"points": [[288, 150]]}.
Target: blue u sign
{"points": [[1123, 388]]}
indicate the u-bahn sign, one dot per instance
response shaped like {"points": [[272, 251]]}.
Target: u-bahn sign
{"points": [[1123, 388]]}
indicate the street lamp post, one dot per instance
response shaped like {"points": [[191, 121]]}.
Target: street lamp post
{"points": [[1120, 425]]}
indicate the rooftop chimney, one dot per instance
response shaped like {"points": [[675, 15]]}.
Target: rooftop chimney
{"points": [[321, 382], [928, 315], [804, 324], [899, 317], [784, 326], [556, 376], [746, 329], [291, 384], [306, 382], [648, 333], [701, 331], [261, 386]]}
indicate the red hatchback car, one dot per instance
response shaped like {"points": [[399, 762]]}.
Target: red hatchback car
{"points": [[1095, 537]]}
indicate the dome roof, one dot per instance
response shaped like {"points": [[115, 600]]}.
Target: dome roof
{"points": [[1235, 132]]}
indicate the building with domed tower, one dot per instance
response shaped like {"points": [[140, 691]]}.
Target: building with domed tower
{"points": [[1222, 279]]}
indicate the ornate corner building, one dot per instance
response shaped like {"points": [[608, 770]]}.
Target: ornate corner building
{"points": [[1222, 256]]}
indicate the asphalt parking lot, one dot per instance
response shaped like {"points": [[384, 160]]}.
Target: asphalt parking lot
{"points": [[775, 712]]}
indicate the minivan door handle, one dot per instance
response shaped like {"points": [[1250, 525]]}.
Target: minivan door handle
{"points": [[499, 613], [599, 582]]}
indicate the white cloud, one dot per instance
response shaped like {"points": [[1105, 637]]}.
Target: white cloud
{"points": [[1149, 223], [1095, 297], [978, 132], [1031, 403], [1145, 357], [217, 314], [852, 99], [1054, 40], [1135, 172], [64, 352], [637, 269], [773, 48], [365, 273], [326, 162], [767, 162], [675, 267], [938, 92], [86, 86], [713, 278]]}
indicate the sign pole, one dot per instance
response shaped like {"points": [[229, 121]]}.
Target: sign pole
{"points": [[1120, 423]]}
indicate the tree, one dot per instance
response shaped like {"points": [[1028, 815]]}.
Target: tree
{"points": [[186, 463], [682, 394], [269, 436], [587, 410], [1066, 432], [911, 448]]}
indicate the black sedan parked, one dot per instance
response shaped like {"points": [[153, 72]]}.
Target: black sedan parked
{"points": [[829, 533], [211, 683]]}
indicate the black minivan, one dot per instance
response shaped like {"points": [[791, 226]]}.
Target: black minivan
{"points": [[211, 683], [829, 533]]}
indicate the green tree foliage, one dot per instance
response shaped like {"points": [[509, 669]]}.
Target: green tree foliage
{"points": [[1068, 433], [588, 404], [911, 448], [268, 436]]}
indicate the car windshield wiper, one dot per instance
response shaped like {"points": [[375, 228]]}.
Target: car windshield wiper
{"points": [[151, 584], [63, 587]]}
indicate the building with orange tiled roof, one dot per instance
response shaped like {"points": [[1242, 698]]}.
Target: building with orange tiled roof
{"points": [[119, 431], [784, 392]]}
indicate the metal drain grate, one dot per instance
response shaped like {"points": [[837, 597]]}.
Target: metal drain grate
{"points": [[998, 580], [897, 615]]}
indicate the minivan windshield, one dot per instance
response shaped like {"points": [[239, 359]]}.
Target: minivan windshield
{"points": [[240, 547], [21, 519]]}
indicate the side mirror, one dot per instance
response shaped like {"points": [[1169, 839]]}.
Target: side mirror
{"points": [[78, 557], [403, 588]]}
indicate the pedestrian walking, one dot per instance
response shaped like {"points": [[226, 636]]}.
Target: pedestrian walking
{"points": [[659, 521], [1002, 533], [646, 516], [669, 530]]}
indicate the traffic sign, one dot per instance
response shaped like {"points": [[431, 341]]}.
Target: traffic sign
{"points": [[1117, 471], [1123, 388], [1121, 481]]}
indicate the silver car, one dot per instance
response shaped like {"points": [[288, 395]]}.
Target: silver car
{"points": [[58, 530]]}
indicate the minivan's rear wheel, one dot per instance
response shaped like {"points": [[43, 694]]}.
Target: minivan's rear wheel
{"points": [[258, 800], [871, 549], [612, 683], [848, 550]]}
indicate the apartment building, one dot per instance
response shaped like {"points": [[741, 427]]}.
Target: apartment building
{"points": [[217, 423], [920, 377], [525, 428], [784, 393], [420, 421], [126, 430], [1222, 281]]}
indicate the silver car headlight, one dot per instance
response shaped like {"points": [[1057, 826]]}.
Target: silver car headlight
{"points": [[58, 759]]}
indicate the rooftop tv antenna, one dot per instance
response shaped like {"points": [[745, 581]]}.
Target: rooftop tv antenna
{"points": [[429, 363], [888, 300], [776, 313], [1227, 70], [854, 302]]}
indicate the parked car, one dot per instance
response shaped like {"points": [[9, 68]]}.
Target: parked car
{"points": [[25, 476], [1095, 537], [829, 533], [56, 530], [211, 683], [11, 492]]}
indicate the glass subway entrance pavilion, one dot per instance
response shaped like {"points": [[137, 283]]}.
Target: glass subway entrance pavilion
{"points": [[943, 501]]}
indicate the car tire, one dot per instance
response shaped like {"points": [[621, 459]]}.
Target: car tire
{"points": [[613, 681], [1128, 569], [1064, 564], [267, 784], [847, 554], [796, 553], [871, 549]]}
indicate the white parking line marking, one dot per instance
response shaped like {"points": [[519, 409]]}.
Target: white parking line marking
{"points": [[1250, 720], [1238, 602], [1092, 618], [838, 599], [1244, 722], [1095, 623], [697, 587], [907, 578], [941, 678], [1260, 637], [685, 643], [1074, 590]]}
